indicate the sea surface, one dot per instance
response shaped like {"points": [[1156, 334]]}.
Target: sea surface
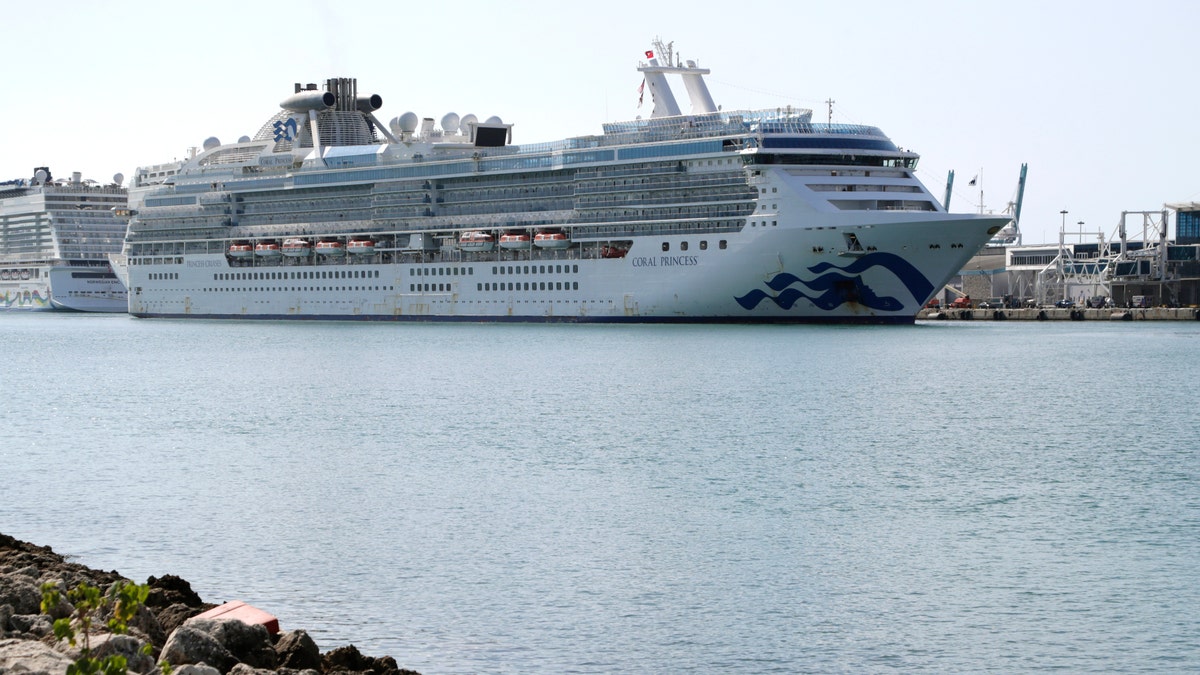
{"points": [[944, 497]]}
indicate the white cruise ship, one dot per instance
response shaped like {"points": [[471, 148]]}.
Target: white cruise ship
{"points": [[704, 216], [55, 240]]}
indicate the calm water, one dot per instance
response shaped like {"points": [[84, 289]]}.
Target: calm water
{"points": [[591, 499]]}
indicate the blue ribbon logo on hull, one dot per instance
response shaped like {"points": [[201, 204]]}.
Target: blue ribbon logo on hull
{"points": [[835, 286]]}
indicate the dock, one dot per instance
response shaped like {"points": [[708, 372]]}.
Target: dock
{"points": [[1062, 314]]}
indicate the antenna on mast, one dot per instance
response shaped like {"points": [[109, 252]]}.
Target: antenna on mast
{"points": [[829, 105]]}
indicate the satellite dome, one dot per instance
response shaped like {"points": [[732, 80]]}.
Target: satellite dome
{"points": [[211, 142], [394, 125], [494, 120], [244, 139], [40, 175], [409, 122], [450, 123], [118, 178], [467, 120]]}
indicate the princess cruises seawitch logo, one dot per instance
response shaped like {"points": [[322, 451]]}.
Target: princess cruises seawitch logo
{"points": [[285, 130], [834, 286]]}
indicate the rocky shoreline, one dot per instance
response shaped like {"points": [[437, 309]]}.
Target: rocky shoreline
{"points": [[192, 646]]}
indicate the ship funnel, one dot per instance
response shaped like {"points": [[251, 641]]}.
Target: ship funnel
{"points": [[309, 100], [369, 103]]}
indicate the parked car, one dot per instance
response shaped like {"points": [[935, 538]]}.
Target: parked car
{"points": [[963, 302], [1065, 303]]}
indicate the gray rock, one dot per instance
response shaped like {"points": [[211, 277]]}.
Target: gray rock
{"points": [[125, 645], [195, 669], [6, 612], [173, 616], [30, 657], [297, 650], [21, 592], [243, 669], [189, 644], [37, 625], [248, 643]]}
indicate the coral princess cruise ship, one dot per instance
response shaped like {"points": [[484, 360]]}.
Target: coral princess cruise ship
{"points": [[704, 216]]}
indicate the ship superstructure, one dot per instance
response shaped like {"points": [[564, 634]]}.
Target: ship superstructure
{"points": [[55, 240], [704, 216]]}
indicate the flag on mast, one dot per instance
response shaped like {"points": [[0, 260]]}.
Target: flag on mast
{"points": [[974, 180], [642, 86]]}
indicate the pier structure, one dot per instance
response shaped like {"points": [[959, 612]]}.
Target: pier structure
{"points": [[1127, 269]]}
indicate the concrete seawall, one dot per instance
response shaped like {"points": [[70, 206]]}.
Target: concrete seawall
{"points": [[1057, 314]]}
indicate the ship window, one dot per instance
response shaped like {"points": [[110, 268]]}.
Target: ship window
{"points": [[666, 246], [542, 285], [575, 285], [558, 285], [683, 246], [723, 244], [479, 287], [575, 269], [703, 245]]}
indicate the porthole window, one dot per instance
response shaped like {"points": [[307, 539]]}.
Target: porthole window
{"points": [[703, 245], [666, 246], [683, 246]]}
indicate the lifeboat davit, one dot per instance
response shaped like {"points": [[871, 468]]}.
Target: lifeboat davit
{"points": [[241, 251], [551, 240], [512, 241], [296, 248], [476, 241], [360, 246], [267, 249], [331, 248]]}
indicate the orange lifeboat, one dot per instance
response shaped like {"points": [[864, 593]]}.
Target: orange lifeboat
{"points": [[514, 241], [267, 249], [475, 240], [360, 247], [296, 248], [331, 248], [551, 240], [241, 251]]}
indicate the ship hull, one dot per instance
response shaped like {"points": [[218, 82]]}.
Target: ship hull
{"points": [[776, 274], [41, 288]]}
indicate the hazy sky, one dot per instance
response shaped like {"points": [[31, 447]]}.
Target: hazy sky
{"points": [[1099, 98]]}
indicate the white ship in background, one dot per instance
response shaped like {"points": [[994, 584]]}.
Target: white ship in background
{"points": [[709, 216], [55, 240]]}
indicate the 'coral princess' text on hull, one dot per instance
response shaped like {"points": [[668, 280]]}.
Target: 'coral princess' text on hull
{"points": [[709, 216]]}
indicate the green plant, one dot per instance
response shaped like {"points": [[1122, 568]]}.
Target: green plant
{"points": [[121, 604]]}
